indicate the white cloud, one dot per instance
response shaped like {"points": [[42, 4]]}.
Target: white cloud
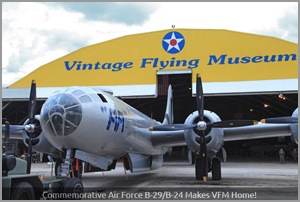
{"points": [[34, 34], [238, 16]]}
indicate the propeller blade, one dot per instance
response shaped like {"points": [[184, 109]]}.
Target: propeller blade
{"points": [[202, 161], [32, 102], [199, 97], [31, 112], [171, 127], [232, 123], [280, 120]]}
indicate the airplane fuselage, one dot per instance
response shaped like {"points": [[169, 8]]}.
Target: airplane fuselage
{"points": [[96, 122]]}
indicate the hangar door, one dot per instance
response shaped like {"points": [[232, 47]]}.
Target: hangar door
{"points": [[183, 102], [181, 81]]}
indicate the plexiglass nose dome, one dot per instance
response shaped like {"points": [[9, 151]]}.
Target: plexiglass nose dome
{"points": [[61, 114]]}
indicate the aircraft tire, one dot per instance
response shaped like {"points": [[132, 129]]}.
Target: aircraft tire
{"points": [[73, 185], [57, 187], [22, 191], [216, 169], [200, 170]]}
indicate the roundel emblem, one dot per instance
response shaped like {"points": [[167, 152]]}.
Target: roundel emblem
{"points": [[173, 42]]}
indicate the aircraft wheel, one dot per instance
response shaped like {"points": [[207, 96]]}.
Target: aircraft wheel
{"points": [[73, 185], [199, 168], [216, 169], [22, 191], [57, 187]]}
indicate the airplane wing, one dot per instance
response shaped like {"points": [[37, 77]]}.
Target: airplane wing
{"points": [[176, 138], [261, 131]]}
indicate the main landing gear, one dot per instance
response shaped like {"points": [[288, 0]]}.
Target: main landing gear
{"points": [[216, 168], [214, 165]]}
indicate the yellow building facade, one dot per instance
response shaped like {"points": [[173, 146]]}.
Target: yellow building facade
{"points": [[228, 61]]}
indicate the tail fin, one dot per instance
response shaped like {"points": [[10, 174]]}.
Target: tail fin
{"points": [[169, 110]]}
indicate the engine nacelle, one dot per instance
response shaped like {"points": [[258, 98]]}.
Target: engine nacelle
{"points": [[143, 163], [213, 136], [39, 141], [294, 133], [294, 128]]}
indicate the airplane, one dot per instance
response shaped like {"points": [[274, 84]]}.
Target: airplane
{"points": [[85, 124]]}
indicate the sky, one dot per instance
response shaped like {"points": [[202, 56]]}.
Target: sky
{"points": [[36, 33]]}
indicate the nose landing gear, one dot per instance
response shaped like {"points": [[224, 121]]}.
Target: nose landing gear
{"points": [[71, 172]]}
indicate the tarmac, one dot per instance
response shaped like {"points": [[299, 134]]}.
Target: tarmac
{"points": [[243, 179]]}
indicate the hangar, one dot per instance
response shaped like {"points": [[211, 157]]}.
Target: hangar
{"points": [[245, 76]]}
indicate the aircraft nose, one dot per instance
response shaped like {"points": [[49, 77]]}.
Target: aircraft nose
{"points": [[61, 114]]}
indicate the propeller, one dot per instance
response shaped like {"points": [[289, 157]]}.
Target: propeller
{"points": [[201, 161], [199, 99], [30, 127], [200, 129], [287, 119]]}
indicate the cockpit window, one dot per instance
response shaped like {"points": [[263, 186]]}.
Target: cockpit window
{"points": [[78, 93], [73, 115], [67, 100], [61, 114], [85, 99], [54, 100], [57, 109], [57, 122]]}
